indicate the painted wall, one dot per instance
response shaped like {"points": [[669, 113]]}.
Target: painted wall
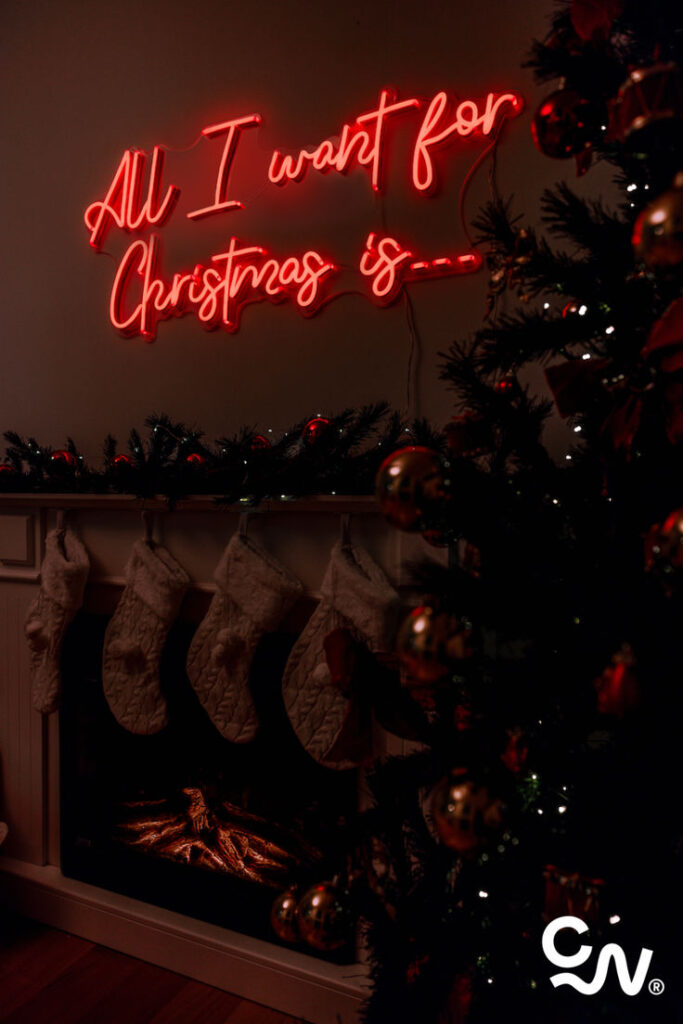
{"points": [[82, 81]]}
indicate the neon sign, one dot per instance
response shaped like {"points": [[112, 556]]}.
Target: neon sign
{"points": [[216, 293]]}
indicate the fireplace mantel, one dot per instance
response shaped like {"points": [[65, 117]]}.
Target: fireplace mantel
{"points": [[301, 534]]}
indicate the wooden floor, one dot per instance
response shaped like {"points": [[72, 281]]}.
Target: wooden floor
{"points": [[50, 977]]}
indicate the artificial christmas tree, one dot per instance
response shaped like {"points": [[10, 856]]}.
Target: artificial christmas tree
{"points": [[545, 782]]}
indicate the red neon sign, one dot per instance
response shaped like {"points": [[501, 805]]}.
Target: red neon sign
{"points": [[243, 274], [121, 205], [233, 128], [362, 142], [215, 295]]}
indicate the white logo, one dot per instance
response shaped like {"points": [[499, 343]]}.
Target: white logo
{"points": [[630, 986]]}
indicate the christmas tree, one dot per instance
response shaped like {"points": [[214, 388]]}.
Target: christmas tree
{"points": [[543, 663]]}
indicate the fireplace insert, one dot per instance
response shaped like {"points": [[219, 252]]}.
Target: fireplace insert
{"points": [[185, 819]]}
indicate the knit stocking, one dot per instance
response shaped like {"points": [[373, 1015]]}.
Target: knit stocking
{"points": [[63, 576], [356, 596], [254, 592], [135, 636]]}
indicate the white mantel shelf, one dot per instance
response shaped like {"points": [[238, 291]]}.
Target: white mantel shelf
{"points": [[338, 504]]}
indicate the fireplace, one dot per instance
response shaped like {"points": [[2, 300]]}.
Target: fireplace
{"points": [[185, 819]]}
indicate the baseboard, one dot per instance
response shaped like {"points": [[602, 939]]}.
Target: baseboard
{"points": [[280, 978]]}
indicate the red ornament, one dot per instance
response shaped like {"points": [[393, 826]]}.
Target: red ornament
{"points": [[665, 340], [196, 460], [571, 893], [515, 754], [316, 430], [592, 19], [658, 233], [649, 98], [468, 435], [618, 689], [466, 816], [121, 463], [62, 461], [259, 443], [506, 384], [7, 470], [411, 487], [664, 547], [566, 123], [429, 642]]}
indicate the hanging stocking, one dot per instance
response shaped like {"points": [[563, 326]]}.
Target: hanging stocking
{"points": [[63, 576], [135, 636], [355, 596], [254, 592]]}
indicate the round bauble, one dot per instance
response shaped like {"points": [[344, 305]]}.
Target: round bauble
{"points": [[466, 815], [63, 462], [650, 101], [411, 487], [429, 642], [121, 463], [658, 232], [324, 917], [259, 443], [195, 460], [566, 123], [316, 430], [283, 916]]}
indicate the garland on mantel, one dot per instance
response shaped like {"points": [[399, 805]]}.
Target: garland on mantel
{"points": [[323, 455]]}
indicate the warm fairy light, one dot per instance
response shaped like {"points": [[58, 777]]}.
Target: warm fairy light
{"points": [[561, 809], [586, 356], [609, 330], [483, 894], [614, 919]]}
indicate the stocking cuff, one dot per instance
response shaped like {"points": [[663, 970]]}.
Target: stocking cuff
{"points": [[357, 588], [260, 585], [64, 571], [157, 579]]}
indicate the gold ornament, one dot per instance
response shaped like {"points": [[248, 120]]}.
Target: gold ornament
{"points": [[465, 814], [658, 232], [324, 917], [283, 916], [411, 486], [429, 642]]}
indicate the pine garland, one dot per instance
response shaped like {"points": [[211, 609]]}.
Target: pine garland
{"points": [[174, 460]]}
